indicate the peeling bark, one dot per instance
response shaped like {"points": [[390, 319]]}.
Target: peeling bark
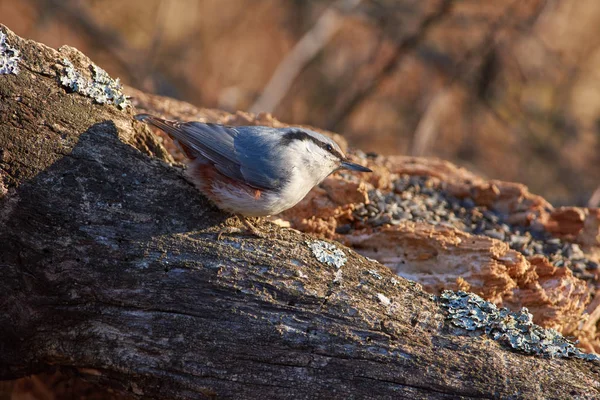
{"points": [[111, 268]]}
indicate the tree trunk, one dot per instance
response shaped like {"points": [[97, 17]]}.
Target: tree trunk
{"points": [[111, 267]]}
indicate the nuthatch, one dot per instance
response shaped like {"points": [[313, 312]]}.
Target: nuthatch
{"points": [[254, 171]]}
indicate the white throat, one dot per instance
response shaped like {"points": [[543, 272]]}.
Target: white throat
{"points": [[309, 165]]}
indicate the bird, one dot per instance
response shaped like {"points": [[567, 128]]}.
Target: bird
{"points": [[254, 171]]}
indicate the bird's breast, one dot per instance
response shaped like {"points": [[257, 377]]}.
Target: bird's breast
{"points": [[239, 198]]}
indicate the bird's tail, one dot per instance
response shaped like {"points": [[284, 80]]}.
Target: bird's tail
{"points": [[171, 128]]}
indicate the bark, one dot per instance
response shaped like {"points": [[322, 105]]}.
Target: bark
{"points": [[111, 268]]}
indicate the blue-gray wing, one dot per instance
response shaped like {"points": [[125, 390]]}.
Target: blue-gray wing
{"points": [[257, 149], [242, 153]]}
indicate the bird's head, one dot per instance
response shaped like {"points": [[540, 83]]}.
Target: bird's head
{"points": [[316, 152]]}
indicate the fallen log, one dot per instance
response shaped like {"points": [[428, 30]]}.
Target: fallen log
{"points": [[111, 268]]}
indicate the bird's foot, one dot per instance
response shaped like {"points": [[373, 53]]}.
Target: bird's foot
{"points": [[248, 228], [252, 229], [227, 230]]}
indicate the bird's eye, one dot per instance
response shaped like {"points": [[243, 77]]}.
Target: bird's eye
{"points": [[329, 147]]}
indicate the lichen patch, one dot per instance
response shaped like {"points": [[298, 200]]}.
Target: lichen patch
{"points": [[102, 88], [9, 57], [515, 329], [327, 253]]}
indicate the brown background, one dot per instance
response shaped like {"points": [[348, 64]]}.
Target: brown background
{"points": [[509, 89]]}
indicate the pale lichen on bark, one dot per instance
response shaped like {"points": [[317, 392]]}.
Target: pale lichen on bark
{"points": [[515, 329], [9, 57], [101, 87]]}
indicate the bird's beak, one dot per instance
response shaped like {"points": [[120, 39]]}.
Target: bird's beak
{"points": [[354, 167]]}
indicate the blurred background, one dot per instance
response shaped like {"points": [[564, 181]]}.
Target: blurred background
{"points": [[507, 88]]}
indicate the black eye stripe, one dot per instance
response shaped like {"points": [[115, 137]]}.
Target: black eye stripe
{"points": [[290, 136]]}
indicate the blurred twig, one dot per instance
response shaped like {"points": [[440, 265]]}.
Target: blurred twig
{"points": [[485, 51], [159, 29], [428, 125], [595, 199], [305, 50], [348, 103]]}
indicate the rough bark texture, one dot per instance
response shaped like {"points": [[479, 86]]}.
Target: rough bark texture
{"points": [[110, 267]]}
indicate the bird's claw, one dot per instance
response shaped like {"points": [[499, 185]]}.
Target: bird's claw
{"points": [[249, 228]]}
